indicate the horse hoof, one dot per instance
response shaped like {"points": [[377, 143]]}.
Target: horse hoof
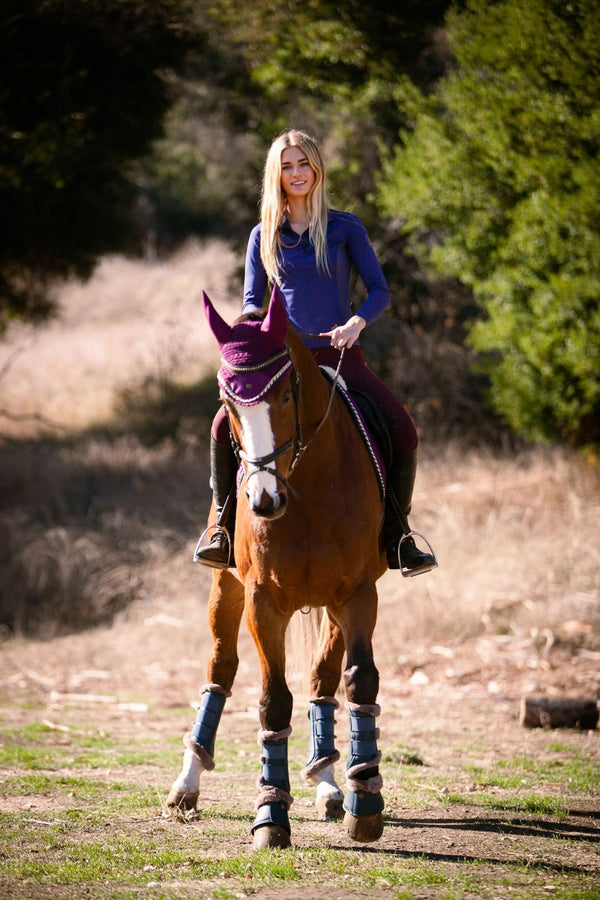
{"points": [[271, 836], [330, 807], [182, 801], [364, 829]]}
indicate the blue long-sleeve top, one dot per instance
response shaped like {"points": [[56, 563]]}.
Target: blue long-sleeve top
{"points": [[317, 302]]}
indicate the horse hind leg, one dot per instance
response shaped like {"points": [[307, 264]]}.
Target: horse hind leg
{"points": [[199, 751], [322, 756], [363, 803]]}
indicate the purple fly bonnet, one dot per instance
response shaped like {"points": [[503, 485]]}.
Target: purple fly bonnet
{"points": [[254, 357]]}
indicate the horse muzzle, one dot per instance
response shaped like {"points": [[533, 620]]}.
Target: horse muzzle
{"points": [[267, 489], [268, 506]]}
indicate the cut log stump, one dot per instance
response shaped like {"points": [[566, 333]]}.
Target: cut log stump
{"points": [[559, 712]]}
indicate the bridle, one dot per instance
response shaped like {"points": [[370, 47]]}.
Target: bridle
{"points": [[296, 442]]}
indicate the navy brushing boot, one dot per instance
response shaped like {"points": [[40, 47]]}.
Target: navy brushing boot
{"points": [[271, 827], [363, 802]]}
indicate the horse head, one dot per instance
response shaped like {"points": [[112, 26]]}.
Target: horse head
{"points": [[256, 385]]}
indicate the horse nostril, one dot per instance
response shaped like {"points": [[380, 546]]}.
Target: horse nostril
{"points": [[266, 506], [262, 504]]}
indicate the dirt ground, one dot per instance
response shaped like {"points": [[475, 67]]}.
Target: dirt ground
{"points": [[436, 700]]}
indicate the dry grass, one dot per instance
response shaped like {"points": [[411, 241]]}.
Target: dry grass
{"points": [[131, 320], [95, 521], [516, 539]]}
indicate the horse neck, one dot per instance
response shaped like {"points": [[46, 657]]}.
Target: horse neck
{"points": [[314, 390], [318, 418]]}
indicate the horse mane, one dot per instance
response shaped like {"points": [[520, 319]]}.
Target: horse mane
{"points": [[257, 315]]}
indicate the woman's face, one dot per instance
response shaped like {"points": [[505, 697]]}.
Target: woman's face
{"points": [[297, 176]]}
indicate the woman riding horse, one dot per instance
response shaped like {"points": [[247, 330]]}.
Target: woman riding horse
{"points": [[308, 250]]}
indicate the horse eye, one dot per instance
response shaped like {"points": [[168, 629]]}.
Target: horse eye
{"points": [[286, 397]]}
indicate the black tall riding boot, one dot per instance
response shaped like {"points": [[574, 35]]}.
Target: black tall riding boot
{"points": [[218, 552], [401, 550]]}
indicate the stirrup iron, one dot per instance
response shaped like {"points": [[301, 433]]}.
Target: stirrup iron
{"points": [[201, 543], [410, 573]]}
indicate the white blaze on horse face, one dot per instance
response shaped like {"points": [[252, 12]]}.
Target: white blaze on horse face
{"points": [[258, 441]]}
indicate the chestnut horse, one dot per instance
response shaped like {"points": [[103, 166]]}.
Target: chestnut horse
{"points": [[309, 511]]}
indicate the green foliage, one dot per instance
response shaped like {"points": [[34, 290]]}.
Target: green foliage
{"points": [[337, 70], [90, 164], [82, 92], [131, 123], [201, 177], [498, 184]]}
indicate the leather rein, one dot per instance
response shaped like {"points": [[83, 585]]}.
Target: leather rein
{"points": [[263, 463]]}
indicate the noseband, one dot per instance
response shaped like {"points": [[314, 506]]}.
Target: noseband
{"points": [[263, 463]]}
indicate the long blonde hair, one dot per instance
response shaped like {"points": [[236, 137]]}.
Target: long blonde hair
{"points": [[273, 207]]}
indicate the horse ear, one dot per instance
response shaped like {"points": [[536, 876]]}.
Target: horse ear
{"points": [[275, 322], [218, 326]]}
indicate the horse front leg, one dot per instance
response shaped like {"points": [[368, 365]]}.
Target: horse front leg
{"points": [[225, 607], [322, 753], [267, 625], [363, 803]]}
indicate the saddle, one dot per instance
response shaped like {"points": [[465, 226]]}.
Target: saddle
{"points": [[371, 426]]}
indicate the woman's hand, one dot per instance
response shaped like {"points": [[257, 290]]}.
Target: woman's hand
{"points": [[346, 335]]}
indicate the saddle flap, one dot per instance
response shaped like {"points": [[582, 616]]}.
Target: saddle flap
{"points": [[372, 428]]}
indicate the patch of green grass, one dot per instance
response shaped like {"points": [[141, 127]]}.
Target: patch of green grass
{"points": [[548, 806], [36, 746], [26, 748], [416, 873], [119, 858], [402, 755], [97, 758], [572, 771], [118, 797], [68, 862], [87, 833], [529, 803], [130, 857], [30, 705], [243, 757], [489, 778]]}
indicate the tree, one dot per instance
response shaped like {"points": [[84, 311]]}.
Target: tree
{"points": [[84, 87], [338, 70], [498, 184], [341, 69]]}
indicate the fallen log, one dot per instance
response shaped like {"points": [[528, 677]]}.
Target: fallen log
{"points": [[558, 712]]}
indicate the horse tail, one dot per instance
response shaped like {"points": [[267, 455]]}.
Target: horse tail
{"points": [[304, 631]]}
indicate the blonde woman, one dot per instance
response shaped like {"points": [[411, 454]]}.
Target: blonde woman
{"points": [[309, 251]]}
